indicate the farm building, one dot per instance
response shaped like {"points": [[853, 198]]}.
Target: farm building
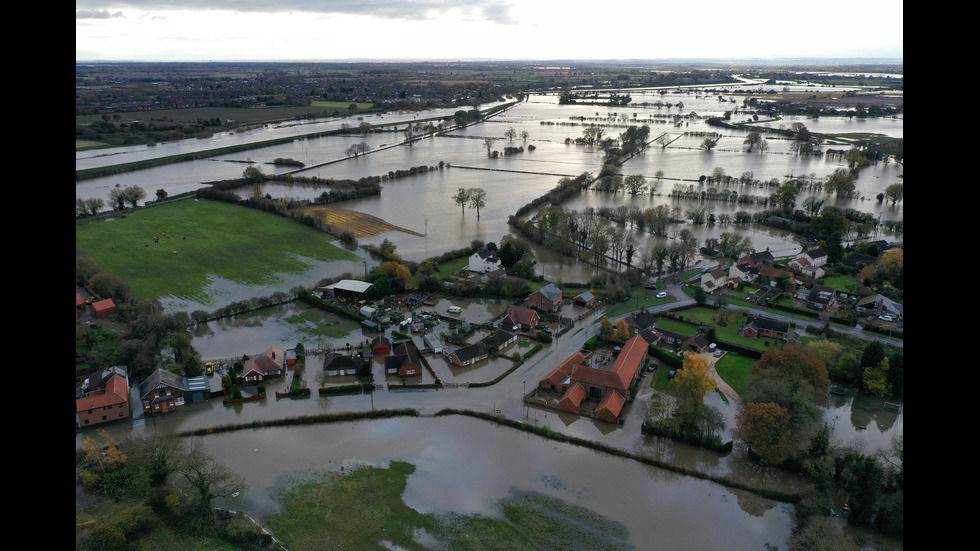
{"points": [[578, 382], [103, 308], [346, 288]]}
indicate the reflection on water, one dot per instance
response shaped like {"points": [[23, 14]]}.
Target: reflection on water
{"points": [[459, 468], [865, 423]]}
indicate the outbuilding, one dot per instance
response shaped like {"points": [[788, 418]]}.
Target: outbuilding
{"points": [[103, 308]]}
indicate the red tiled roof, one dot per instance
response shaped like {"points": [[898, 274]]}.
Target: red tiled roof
{"points": [[573, 398], [630, 359], [597, 377], [559, 373], [612, 401], [116, 392], [106, 304], [519, 314]]}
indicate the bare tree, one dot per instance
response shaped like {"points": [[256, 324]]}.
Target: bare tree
{"points": [[462, 197], [478, 199], [206, 480]]}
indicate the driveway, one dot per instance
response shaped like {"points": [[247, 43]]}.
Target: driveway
{"points": [[728, 391]]}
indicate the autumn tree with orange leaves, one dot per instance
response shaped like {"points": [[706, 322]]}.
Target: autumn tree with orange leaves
{"points": [[693, 381], [786, 386], [765, 427], [691, 420]]}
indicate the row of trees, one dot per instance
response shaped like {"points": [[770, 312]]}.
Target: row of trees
{"points": [[118, 198]]}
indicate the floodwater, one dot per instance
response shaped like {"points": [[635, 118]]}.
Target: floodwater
{"points": [[423, 203], [459, 461], [459, 469]]}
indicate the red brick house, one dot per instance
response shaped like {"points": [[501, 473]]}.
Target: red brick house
{"points": [[405, 361], [162, 392], [520, 318], [545, 299], [107, 399], [757, 326], [268, 365]]}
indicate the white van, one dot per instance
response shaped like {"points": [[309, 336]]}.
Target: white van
{"points": [[455, 309]]}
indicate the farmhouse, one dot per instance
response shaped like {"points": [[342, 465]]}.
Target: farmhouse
{"points": [[609, 387]]}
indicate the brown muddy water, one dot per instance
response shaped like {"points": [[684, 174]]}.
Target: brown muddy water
{"points": [[468, 466]]}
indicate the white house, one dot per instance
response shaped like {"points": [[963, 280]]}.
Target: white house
{"points": [[484, 261], [713, 279], [816, 257]]}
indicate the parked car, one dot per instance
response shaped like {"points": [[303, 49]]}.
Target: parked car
{"points": [[887, 317], [661, 294], [719, 353], [651, 286]]}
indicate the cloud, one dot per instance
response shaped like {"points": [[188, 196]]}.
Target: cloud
{"points": [[97, 14], [495, 11]]}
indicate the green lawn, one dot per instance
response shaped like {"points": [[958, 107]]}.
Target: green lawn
{"points": [[734, 370], [841, 283], [199, 241]]}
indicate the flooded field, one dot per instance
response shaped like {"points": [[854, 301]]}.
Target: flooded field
{"points": [[423, 203]]}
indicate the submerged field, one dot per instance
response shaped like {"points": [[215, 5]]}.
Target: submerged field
{"points": [[180, 248], [364, 509]]}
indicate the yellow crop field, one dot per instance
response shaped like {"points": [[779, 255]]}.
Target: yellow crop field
{"points": [[362, 225]]}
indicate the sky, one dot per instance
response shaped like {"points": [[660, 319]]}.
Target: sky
{"points": [[340, 30]]}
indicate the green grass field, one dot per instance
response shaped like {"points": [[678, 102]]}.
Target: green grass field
{"points": [[198, 241], [340, 104]]}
